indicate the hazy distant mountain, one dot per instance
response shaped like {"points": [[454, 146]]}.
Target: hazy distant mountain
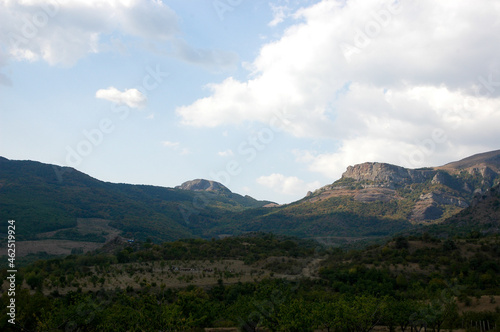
{"points": [[204, 185], [376, 199], [56, 201], [371, 199], [482, 161], [423, 195]]}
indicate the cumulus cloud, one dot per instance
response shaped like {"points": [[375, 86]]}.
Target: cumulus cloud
{"points": [[176, 146], [288, 185], [279, 14], [133, 98], [412, 127], [62, 32], [226, 153], [4, 79], [378, 78], [170, 144]]}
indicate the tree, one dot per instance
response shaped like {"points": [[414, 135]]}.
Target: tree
{"points": [[326, 315], [398, 312], [172, 319], [35, 280], [195, 304], [361, 313], [401, 242], [295, 316], [245, 313]]}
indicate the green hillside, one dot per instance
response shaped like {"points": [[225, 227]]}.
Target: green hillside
{"points": [[263, 282], [370, 201], [45, 198]]}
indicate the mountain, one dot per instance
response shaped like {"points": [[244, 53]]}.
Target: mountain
{"points": [[482, 216], [374, 200], [483, 162], [370, 200], [204, 185], [425, 195], [50, 202]]}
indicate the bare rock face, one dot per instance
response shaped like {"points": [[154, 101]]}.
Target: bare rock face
{"points": [[429, 206], [426, 211], [390, 175], [203, 185], [439, 178], [424, 195], [369, 195]]}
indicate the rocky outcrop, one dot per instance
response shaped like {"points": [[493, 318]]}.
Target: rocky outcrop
{"points": [[429, 206], [444, 199], [483, 213], [387, 175], [426, 194], [203, 185], [368, 195]]}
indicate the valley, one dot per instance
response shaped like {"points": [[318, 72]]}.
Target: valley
{"points": [[381, 248]]}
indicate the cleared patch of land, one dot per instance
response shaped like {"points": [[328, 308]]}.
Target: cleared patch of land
{"points": [[49, 243], [54, 247]]}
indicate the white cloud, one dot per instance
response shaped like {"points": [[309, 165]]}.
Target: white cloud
{"points": [[170, 144], [412, 127], [133, 98], [418, 67], [226, 153], [290, 185], [279, 14], [176, 146], [61, 32]]}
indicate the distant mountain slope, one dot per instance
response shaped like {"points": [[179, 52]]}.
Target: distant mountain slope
{"points": [[203, 185], [487, 159], [483, 215], [425, 195], [370, 200], [47, 198]]}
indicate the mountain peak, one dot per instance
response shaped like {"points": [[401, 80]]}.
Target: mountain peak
{"points": [[203, 185], [386, 173]]}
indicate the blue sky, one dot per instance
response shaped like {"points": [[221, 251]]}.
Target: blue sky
{"points": [[271, 98]]}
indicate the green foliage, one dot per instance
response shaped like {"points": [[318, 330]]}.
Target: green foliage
{"points": [[33, 192], [352, 293]]}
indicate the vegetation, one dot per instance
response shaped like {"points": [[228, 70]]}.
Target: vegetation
{"points": [[406, 283], [45, 198], [439, 277]]}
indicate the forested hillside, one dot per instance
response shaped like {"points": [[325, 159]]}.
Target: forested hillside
{"points": [[264, 281]]}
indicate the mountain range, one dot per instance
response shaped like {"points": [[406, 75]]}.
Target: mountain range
{"points": [[53, 203]]}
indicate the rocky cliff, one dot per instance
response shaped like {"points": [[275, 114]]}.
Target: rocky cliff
{"points": [[204, 185], [387, 174], [429, 194]]}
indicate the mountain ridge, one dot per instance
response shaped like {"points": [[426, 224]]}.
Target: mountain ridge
{"points": [[370, 200], [434, 192], [48, 198]]}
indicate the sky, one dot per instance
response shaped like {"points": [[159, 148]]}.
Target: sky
{"points": [[271, 98]]}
